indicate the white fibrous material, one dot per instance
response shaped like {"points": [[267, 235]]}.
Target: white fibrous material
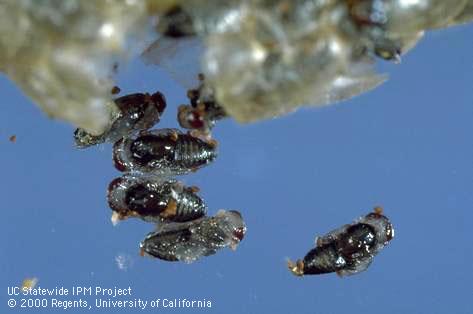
{"points": [[267, 58], [404, 16], [281, 59], [263, 58], [465, 16], [62, 53], [311, 52]]}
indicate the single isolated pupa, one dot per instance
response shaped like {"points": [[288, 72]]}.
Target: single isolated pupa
{"points": [[154, 200], [190, 241], [164, 151], [347, 250]]}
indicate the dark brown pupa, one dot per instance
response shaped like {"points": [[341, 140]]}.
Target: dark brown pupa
{"points": [[154, 200], [136, 112], [187, 242], [347, 250], [165, 152]]}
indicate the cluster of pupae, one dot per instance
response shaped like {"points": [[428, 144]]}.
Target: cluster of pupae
{"points": [[150, 159]]}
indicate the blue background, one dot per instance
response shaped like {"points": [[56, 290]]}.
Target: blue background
{"points": [[406, 146]]}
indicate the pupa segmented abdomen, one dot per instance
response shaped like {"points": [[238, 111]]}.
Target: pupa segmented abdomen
{"points": [[192, 152], [164, 245], [189, 205], [165, 151], [349, 249]]}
